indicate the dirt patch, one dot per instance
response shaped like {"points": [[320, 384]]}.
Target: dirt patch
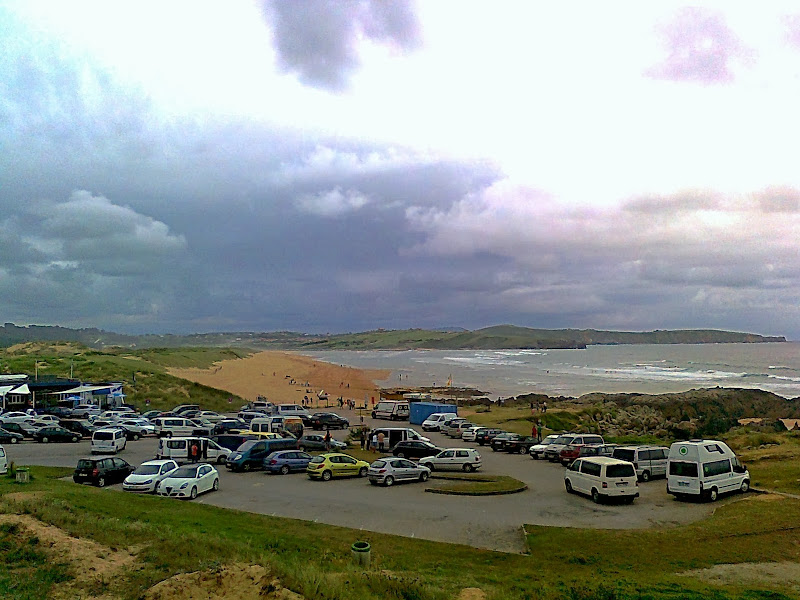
{"points": [[778, 574], [472, 594], [234, 582], [90, 562], [281, 377]]}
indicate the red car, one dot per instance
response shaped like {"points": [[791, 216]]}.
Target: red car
{"points": [[569, 453]]}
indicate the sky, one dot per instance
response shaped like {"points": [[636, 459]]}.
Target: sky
{"points": [[333, 166]]}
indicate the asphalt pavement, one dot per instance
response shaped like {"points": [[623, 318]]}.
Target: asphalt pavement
{"points": [[492, 522]]}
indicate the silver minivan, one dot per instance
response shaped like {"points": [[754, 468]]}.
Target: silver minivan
{"points": [[602, 477], [174, 427], [108, 441], [649, 461]]}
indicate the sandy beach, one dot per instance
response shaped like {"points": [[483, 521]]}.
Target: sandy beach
{"points": [[286, 377]]}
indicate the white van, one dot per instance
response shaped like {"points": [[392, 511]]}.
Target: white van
{"points": [[291, 410], [108, 441], [602, 477], [649, 461], [394, 410], [434, 421], [179, 450], [705, 468], [174, 426], [3, 461]]}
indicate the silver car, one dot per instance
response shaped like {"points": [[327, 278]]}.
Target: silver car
{"points": [[388, 470]]}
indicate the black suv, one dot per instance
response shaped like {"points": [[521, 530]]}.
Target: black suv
{"points": [[101, 471], [326, 420], [485, 436]]}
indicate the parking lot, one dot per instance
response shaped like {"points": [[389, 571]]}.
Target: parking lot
{"points": [[492, 522]]}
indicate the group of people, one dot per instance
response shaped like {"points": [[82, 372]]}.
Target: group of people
{"points": [[376, 441]]}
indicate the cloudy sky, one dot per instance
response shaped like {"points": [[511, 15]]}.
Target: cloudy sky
{"points": [[341, 166]]}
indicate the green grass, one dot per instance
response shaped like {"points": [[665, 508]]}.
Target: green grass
{"points": [[475, 485], [314, 559]]}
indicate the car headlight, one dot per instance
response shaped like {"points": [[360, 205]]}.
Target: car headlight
{"points": [[236, 457], [148, 482], [185, 485]]}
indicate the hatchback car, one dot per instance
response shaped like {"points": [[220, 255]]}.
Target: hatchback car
{"points": [[101, 471], [55, 434], [456, 428], [141, 426], [328, 420], [188, 481], [148, 475], [453, 459], [415, 449], [537, 450], [520, 445], [553, 451], [286, 461], [316, 441], [334, 464], [468, 435], [22, 428], [499, 442], [388, 470]]}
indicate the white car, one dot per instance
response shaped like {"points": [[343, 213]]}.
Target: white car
{"points": [[453, 459], [16, 417], [189, 480], [86, 411], [44, 420], [148, 476], [468, 435], [537, 450], [209, 415], [141, 426]]}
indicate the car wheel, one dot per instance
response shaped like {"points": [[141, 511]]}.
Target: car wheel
{"points": [[568, 485], [326, 475], [534, 456], [74, 438], [595, 496], [45, 440], [285, 470], [101, 482], [522, 450], [373, 482], [193, 493], [135, 437], [745, 487], [221, 460], [423, 476], [362, 472], [169, 434], [628, 500], [645, 476], [494, 449], [215, 487], [401, 455], [389, 481], [302, 448], [431, 466], [467, 468], [245, 467], [713, 494], [14, 440]]}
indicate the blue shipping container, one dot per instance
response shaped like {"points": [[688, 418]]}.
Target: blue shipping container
{"points": [[419, 411]]}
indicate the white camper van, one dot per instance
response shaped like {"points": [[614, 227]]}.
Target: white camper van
{"points": [[394, 410], [705, 468]]}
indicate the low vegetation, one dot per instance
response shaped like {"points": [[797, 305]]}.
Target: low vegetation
{"points": [[167, 537], [469, 484]]}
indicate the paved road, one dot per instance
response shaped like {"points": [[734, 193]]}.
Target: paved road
{"points": [[492, 522]]}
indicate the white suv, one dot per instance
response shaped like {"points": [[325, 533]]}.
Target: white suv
{"points": [[453, 459], [434, 421]]}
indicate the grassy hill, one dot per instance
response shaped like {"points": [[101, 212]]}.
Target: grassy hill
{"points": [[495, 337], [144, 372]]}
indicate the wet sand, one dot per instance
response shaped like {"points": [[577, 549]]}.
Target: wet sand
{"points": [[286, 377]]}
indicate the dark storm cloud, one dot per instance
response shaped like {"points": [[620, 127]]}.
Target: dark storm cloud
{"points": [[318, 39], [700, 47]]}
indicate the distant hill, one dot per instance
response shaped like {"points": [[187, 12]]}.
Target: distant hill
{"points": [[451, 338]]}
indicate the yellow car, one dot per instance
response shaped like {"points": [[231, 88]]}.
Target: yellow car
{"points": [[334, 464]]}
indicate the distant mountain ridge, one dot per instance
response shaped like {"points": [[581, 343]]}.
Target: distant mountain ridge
{"points": [[450, 338]]}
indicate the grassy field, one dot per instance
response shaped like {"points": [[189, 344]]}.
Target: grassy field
{"points": [[168, 537]]}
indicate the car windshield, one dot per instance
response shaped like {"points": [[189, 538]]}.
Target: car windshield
{"points": [[184, 473], [550, 439], [246, 446], [562, 439], [147, 470]]}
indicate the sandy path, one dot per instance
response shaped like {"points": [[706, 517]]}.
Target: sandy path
{"points": [[282, 378]]}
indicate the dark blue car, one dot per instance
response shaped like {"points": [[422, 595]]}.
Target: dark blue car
{"points": [[286, 461]]}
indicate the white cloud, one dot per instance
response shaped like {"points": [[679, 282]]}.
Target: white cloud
{"points": [[332, 203]]}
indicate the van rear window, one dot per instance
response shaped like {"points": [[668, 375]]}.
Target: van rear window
{"points": [[624, 454], [103, 435], [620, 471], [682, 469]]}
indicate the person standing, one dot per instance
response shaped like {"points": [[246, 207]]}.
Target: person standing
{"points": [[363, 438], [328, 440], [374, 442], [534, 431], [381, 441], [194, 452]]}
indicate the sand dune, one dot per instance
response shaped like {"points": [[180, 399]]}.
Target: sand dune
{"points": [[282, 378]]}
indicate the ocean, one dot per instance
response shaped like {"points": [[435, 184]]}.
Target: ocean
{"points": [[648, 369]]}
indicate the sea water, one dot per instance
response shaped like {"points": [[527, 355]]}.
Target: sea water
{"points": [[648, 369]]}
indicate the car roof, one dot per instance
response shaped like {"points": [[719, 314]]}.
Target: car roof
{"points": [[603, 460], [158, 462]]}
